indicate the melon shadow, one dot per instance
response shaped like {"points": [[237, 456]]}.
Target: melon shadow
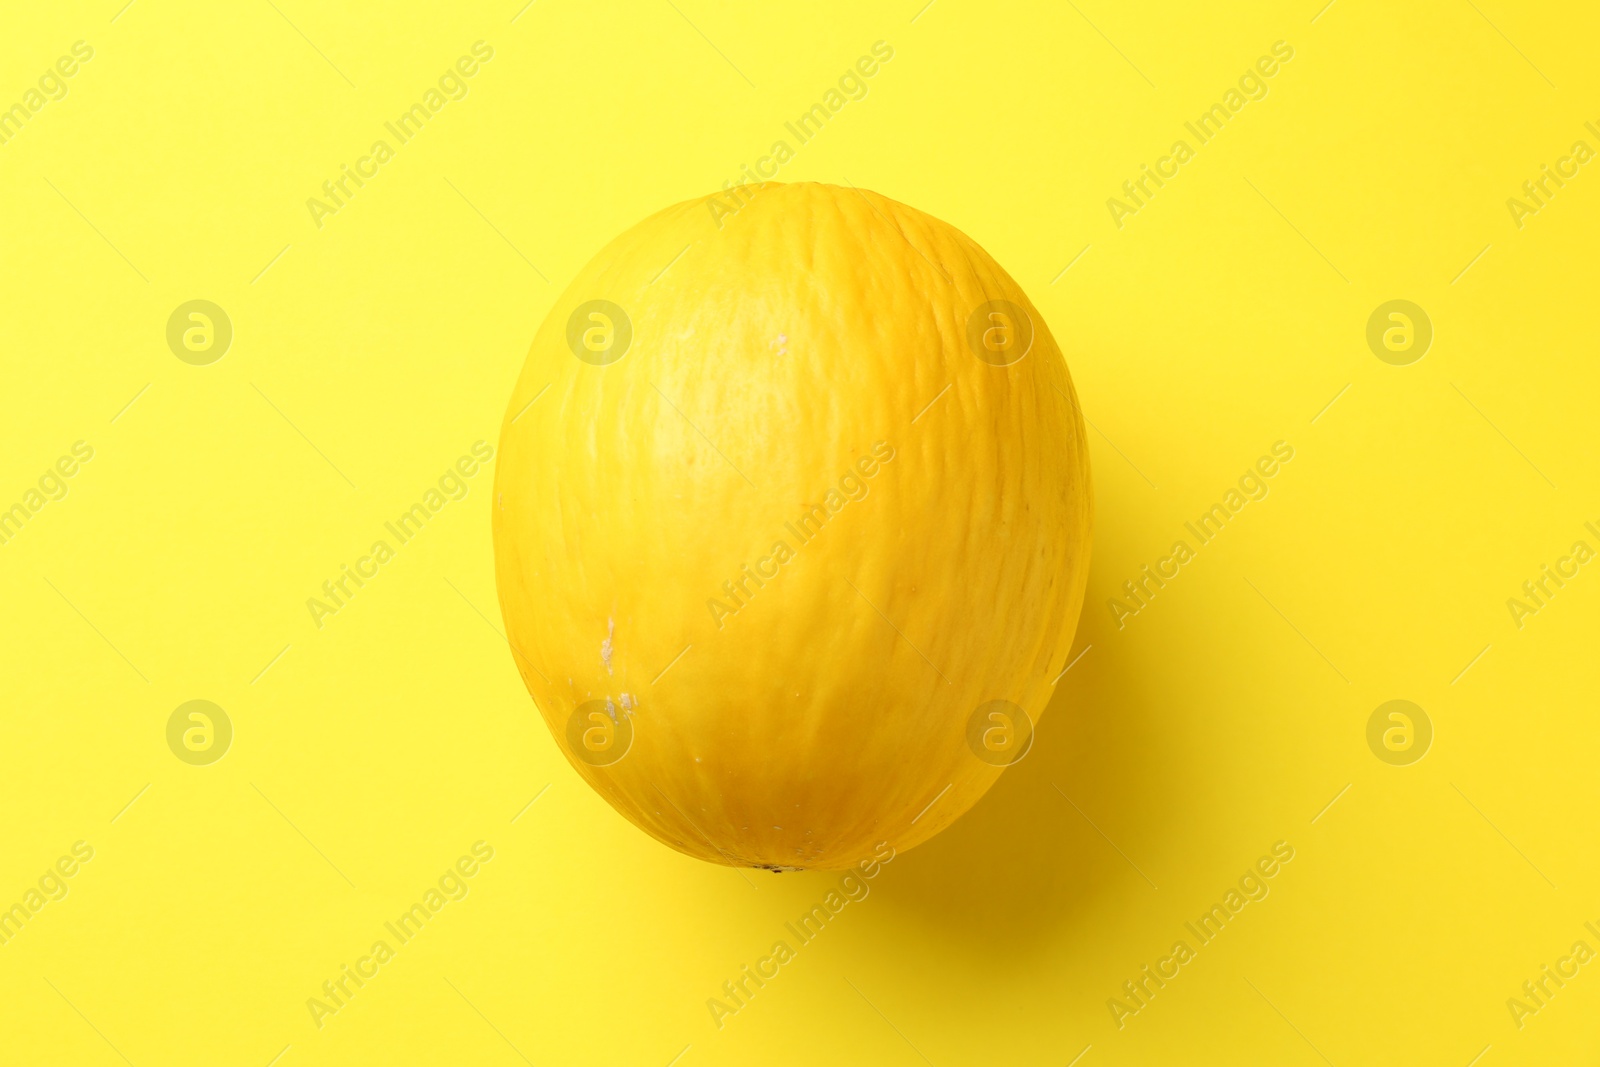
{"points": [[1069, 828]]}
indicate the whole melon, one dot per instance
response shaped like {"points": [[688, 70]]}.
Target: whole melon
{"points": [[792, 524]]}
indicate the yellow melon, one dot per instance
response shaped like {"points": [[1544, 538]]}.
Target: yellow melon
{"points": [[792, 523]]}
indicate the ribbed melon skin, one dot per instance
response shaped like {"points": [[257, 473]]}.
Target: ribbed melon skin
{"points": [[797, 718]]}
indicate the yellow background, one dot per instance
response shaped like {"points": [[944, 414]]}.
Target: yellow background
{"points": [[373, 351]]}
